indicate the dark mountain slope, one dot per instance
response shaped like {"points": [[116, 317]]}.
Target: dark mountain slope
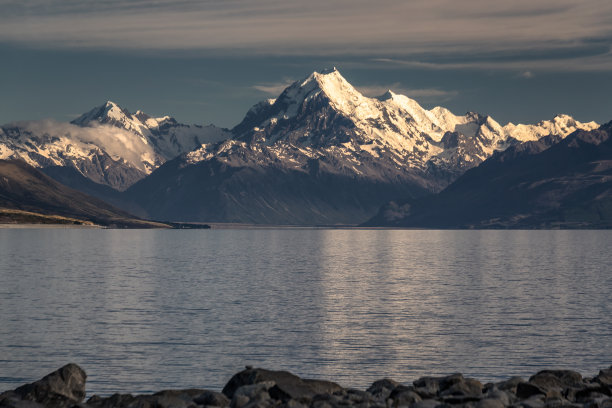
{"points": [[24, 188], [531, 185], [215, 191]]}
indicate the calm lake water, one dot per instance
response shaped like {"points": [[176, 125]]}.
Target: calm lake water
{"points": [[147, 310]]}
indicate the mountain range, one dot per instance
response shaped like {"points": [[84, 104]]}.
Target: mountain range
{"points": [[320, 153], [548, 183], [107, 145]]}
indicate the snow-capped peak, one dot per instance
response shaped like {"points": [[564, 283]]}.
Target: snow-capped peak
{"points": [[324, 111], [109, 111], [336, 88], [168, 137], [389, 94], [329, 83]]}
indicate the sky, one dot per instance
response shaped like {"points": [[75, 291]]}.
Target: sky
{"points": [[208, 61]]}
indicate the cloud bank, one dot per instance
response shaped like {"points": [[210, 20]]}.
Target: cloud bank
{"points": [[117, 142], [316, 27], [424, 95]]}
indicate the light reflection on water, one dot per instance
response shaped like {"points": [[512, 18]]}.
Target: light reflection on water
{"points": [[147, 310]]}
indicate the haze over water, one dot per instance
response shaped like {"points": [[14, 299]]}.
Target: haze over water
{"points": [[148, 310]]}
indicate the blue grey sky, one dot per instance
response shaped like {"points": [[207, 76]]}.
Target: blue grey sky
{"points": [[208, 61]]}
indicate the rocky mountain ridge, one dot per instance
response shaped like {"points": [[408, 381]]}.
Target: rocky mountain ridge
{"points": [[547, 183], [107, 145], [324, 110]]}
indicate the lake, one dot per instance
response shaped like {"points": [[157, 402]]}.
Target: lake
{"points": [[144, 310]]}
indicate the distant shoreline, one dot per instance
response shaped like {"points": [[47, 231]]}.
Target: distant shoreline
{"points": [[236, 226], [48, 226]]}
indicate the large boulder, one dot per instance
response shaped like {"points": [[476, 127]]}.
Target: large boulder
{"points": [[527, 390], [451, 385], [605, 377], [60, 389], [162, 399], [557, 380], [381, 389], [287, 386]]}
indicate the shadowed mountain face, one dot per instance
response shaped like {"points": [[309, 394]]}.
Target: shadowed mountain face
{"points": [[547, 183], [214, 191], [24, 188]]}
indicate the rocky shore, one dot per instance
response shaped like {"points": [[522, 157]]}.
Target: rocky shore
{"points": [[260, 388]]}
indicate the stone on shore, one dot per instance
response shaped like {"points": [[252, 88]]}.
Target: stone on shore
{"points": [[260, 388], [60, 389], [287, 386]]}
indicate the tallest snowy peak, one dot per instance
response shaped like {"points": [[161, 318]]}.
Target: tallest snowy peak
{"points": [[329, 83], [327, 77]]}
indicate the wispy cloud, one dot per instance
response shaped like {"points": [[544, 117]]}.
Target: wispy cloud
{"points": [[117, 142], [572, 63], [316, 27], [423, 95], [273, 88]]}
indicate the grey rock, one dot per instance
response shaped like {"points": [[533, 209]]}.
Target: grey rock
{"points": [[252, 394], [428, 403], [588, 393], [346, 398], [162, 399], [381, 389], [293, 404], [527, 390], [258, 390], [535, 401], [321, 404], [356, 396], [510, 384], [433, 385], [504, 396], [491, 403], [553, 381], [115, 400], [560, 403], [605, 377], [212, 399], [288, 386], [465, 387], [10, 400], [62, 388], [404, 396], [239, 401], [262, 404]]}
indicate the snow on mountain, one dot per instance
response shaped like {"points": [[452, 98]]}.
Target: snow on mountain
{"points": [[167, 137], [324, 110], [320, 131], [107, 145], [106, 155], [561, 125]]}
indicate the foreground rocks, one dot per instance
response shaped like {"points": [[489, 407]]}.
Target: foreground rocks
{"points": [[259, 388]]}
